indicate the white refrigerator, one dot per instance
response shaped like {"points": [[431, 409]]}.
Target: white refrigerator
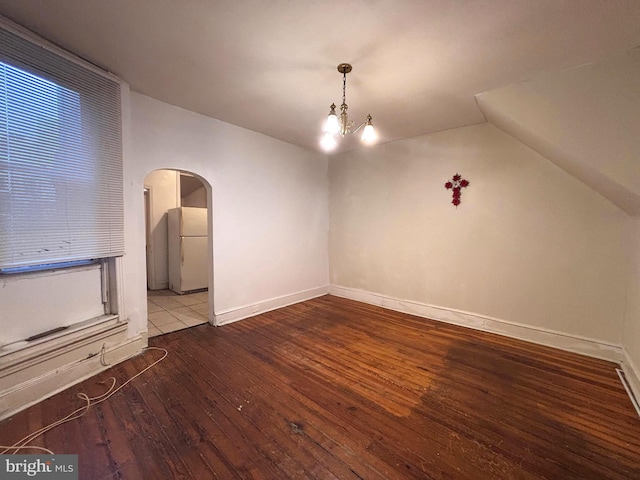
{"points": [[188, 242]]}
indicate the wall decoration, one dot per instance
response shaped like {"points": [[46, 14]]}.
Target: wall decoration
{"points": [[456, 183]]}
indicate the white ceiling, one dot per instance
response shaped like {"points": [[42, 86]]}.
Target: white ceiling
{"points": [[270, 65]]}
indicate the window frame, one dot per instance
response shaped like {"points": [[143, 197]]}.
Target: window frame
{"points": [[9, 264], [112, 266]]}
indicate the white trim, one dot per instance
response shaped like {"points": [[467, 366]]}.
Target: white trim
{"points": [[20, 355], [144, 339], [51, 272], [632, 375], [47, 369], [240, 313], [542, 336], [117, 285], [149, 238]]}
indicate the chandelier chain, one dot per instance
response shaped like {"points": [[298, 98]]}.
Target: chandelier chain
{"points": [[344, 88]]}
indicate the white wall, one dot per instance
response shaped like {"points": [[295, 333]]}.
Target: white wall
{"points": [[163, 196], [270, 206], [529, 244], [37, 302]]}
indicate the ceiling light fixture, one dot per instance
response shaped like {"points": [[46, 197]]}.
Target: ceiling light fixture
{"points": [[335, 126]]}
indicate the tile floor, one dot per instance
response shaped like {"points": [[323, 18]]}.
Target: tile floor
{"points": [[168, 311]]}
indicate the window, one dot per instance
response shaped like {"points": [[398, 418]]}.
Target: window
{"points": [[60, 159]]}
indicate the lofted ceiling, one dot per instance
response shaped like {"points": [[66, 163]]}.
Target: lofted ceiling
{"points": [[270, 65]]}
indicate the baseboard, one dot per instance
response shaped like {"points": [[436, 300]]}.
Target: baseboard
{"points": [[632, 375], [55, 379], [240, 313], [563, 341]]}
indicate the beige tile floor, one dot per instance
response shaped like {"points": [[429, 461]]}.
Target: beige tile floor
{"points": [[168, 311]]}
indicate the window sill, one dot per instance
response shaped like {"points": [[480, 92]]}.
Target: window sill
{"points": [[23, 355]]}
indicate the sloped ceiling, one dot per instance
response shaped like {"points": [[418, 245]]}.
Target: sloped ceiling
{"points": [[270, 65], [585, 119]]}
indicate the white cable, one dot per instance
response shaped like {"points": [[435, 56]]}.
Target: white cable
{"points": [[91, 401], [103, 351]]}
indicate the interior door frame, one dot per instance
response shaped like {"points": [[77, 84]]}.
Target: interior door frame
{"points": [[149, 247]]}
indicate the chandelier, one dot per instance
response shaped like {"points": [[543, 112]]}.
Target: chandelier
{"points": [[335, 126]]}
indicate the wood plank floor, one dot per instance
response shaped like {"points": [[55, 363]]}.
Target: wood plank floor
{"points": [[336, 389]]}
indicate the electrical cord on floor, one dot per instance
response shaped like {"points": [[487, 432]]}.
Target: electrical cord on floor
{"points": [[103, 352], [90, 401]]}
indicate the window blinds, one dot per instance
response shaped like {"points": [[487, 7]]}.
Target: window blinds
{"points": [[61, 194]]}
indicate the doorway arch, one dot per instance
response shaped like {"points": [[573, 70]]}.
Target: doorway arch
{"points": [[166, 189]]}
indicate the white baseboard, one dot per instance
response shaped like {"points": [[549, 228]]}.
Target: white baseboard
{"points": [[632, 375], [563, 341], [52, 378], [240, 313]]}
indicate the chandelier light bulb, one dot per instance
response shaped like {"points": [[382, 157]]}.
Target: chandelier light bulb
{"points": [[368, 134], [332, 126]]}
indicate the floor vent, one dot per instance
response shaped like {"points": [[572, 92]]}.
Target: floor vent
{"points": [[633, 398]]}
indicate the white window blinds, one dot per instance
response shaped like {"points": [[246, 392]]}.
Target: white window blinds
{"points": [[60, 158]]}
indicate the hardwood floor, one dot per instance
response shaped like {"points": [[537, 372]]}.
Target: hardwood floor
{"points": [[335, 389]]}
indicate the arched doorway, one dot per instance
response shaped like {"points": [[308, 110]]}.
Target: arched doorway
{"points": [[177, 233]]}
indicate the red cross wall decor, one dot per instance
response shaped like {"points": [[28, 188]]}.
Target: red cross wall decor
{"points": [[456, 183]]}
